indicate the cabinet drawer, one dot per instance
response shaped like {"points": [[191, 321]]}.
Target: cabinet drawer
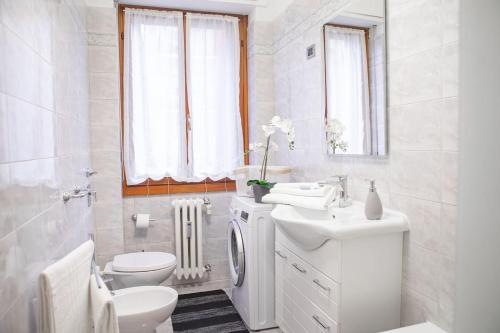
{"points": [[293, 317], [321, 323], [281, 256], [325, 294], [299, 272]]}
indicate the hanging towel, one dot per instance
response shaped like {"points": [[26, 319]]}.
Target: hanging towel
{"points": [[319, 203], [301, 189], [103, 309], [64, 293]]}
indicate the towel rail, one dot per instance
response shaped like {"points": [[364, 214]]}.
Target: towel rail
{"points": [[93, 266]]}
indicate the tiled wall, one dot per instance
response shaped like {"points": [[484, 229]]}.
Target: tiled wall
{"points": [[260, 80], [44, 146], [105, 131], [160, 236], [115, 230], [419, 177]]}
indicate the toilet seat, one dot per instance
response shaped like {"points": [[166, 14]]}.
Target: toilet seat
{"points": [[142, 261]]}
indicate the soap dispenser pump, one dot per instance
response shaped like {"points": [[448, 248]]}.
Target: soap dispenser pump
{"points": [[373, 207]]}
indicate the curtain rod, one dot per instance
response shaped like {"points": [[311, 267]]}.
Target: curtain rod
{"points": [[184, 11]]}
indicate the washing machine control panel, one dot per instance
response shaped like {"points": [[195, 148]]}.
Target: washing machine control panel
{"points": [[244, 216]]}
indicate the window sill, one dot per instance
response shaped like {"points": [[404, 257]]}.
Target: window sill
{"points": [[166, 189]]}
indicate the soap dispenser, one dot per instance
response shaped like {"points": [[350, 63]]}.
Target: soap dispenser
{"points": [[373, 207]]}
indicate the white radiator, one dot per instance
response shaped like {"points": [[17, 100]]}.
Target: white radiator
{"points": [[189, 237]]}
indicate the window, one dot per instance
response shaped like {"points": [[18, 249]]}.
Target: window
{"points": [[184, 100]]}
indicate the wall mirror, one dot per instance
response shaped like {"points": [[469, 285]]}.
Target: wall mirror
{"points": [[355, 80]]}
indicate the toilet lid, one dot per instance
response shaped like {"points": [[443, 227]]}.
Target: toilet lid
{"points": [[142, 261]]}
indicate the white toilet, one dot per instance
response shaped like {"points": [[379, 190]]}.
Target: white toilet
{"points": [[140, 269], [143, 309]]}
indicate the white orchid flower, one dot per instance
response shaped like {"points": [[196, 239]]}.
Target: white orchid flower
{"points": [[286, 126], [268, 130], [335, 126], [276, 121]]}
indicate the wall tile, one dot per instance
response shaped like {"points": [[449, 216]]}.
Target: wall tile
{"points": [[421, 270], [449, 217], [9, 284], [450, 19], [103, 59], [449, 180], [105, 138], [105, 112], [416, 126], [426, 73], [101, 20], [425, 220], [109, 241], [417, 308], [450, 70], [449, 124], [414, 27], [416, 174], [103, 86]]}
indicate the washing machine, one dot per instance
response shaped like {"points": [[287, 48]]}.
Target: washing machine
{"points": [[251, 261]]}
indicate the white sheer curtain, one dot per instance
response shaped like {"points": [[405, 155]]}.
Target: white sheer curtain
{"points": [[213, 67], [348, 86], [154, 98]]}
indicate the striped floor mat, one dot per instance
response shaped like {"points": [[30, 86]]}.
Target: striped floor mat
{"points": [[207, 312]]}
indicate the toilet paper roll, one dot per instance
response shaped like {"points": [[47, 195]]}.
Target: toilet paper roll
{"points": [[142, 221]]}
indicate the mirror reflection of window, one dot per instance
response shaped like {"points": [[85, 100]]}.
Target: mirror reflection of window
{"points": [[348, 93]]}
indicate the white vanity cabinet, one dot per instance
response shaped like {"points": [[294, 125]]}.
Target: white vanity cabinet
{"points": [[344, 286]]}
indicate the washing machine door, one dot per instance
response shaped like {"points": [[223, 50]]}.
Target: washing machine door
{"points": [[236, 252]]}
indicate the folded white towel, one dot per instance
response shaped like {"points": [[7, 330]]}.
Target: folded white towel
{"points": [[298, 185], [305, 189], [64, 293], [319, 203], [103, 309]]}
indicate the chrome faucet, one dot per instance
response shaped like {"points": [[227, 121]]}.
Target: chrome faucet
{"points": [[343, 194]]}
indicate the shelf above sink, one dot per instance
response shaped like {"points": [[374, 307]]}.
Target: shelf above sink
{"points": [[311, 228]]}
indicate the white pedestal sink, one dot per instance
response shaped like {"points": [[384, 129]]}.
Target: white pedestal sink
{"points": [[338, 275], [311, 228]]}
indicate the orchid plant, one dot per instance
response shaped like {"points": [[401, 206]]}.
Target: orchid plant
{"points": [[334, 132], [276, 123]]}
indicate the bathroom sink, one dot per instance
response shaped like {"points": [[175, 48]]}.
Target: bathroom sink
{"points": [[311, 228]]}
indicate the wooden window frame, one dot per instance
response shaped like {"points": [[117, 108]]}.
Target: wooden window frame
{"points": [[168, 185], [368, 50]]}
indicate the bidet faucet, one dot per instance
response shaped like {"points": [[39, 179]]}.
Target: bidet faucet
{"points": [[342, 182]]}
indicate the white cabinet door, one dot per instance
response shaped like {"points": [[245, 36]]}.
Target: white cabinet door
{"points": [[281, 267], [325, 293]]}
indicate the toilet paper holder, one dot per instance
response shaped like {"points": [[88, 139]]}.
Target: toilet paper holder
{"points": [[134, 218]]}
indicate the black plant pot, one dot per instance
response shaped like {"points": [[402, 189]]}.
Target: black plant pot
{"points": [[259, 191]]}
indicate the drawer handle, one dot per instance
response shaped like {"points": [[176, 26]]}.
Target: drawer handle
{"points": [[320, 285], [316, 318], [300, 269], [280, 254]]}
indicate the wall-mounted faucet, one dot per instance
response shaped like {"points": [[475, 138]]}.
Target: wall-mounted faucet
{"points": [[79, 192], [89, 172]]}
